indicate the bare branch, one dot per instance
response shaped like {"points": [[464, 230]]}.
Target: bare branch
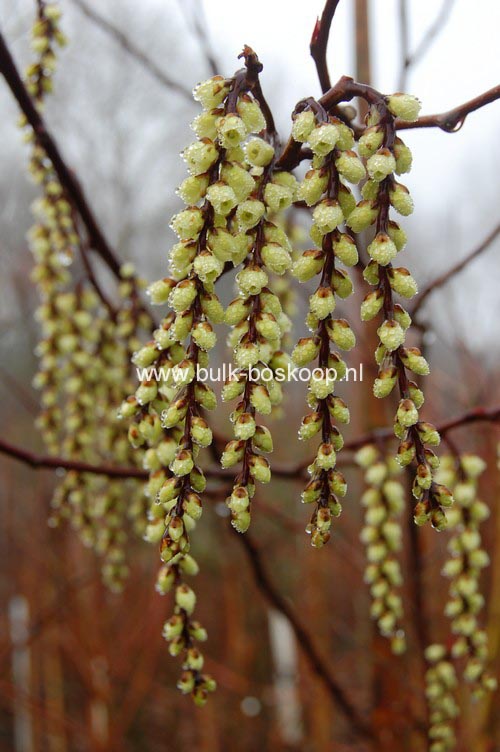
{"points": [[446, 276], [346, 89], [70, 183], [412, 59], [198, 22], [476, 415], [129, 47], [37, 462], [303, 637], [66, 176], [452, 120], [319, 43]]}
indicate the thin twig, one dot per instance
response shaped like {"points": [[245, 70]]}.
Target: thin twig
{"points": [[346, 89], [446, 276], [319, 43], [87, 264], [199, 27], [303, 637], [412, 59], [404, 37], [452, 120], [130, 48], [38, 461], [70, 183], [66, 177], [476, 415]]}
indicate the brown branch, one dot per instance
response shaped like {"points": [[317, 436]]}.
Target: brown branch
{"points": [[412, 59], [304, 639], [319, 43], [452, 120], [248, 79], [346, 89], [87, 265], [129, 47], [446, 276], [37, 462], [66, 177], [476, 415]]}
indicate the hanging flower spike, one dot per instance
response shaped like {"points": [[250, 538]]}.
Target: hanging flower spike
{"points": [[170, 401], [324, 187], [441, 689], [464, 567], [84, 363], [257, 320], [384, 501], [386, 155]]}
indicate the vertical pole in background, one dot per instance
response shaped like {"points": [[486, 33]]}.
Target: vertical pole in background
{"points": [[362, 45], [284, 655], [21, 673]]}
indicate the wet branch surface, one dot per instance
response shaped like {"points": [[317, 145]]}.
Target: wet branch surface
{"points": [[37, 461]]}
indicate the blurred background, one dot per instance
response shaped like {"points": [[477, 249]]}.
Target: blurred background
{"points": [[72, 680]]}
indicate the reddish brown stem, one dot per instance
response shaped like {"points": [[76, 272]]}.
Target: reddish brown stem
{"points": [[66, 177], [452, 120], [319, 43], [304, 639]]}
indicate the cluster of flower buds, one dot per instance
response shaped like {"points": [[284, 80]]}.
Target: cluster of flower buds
{"points": [[386, 155], [230, 190], [169, 427], [325, 188], [464, 567], [46, 37], [384, 501], [258, 324], [56, 232], [181, 631], [52, 239], [84, 351], [441, 686], [84, 370]]}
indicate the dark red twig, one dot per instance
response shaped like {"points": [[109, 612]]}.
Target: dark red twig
{"points": [[319, 43], [38, 461], [446, 276], [304, 639], [476, 415], [452, 120], [346, 89]]}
